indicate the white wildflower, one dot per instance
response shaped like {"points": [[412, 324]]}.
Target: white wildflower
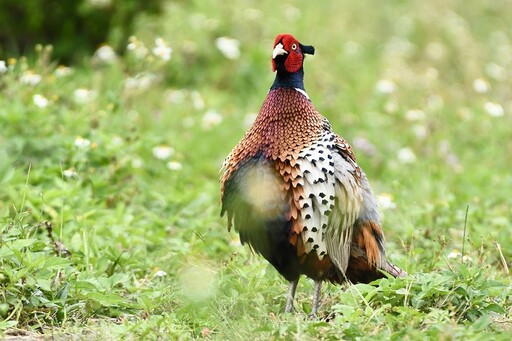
{"points": [[161, 50], [253, 14], [188, 122], [390, 107], [453, 161], [131, 83], [174, 165], [444, 147], [40, 101], [141, 81], [420, 131], [197, 100], [364, 145], [435, 50], [415, 115], [351, 48], [493, 109], [399, 48], [464, 113], [229, 47], [385, 86], [132, 45], [481, 86], [83, 96], [291, 12], [211, 119], [198, 20], [82, 143], [63, 71], [106, 54], [385, 201], [160, 273], [406, 155], [435, 102], [100, 3], [496, 71], [116, 141], [137, 163], [30, 78], [3, 66], [137, 48], [176, 96], [431, 74], [454, 254], [69, 173], [163, 152]]}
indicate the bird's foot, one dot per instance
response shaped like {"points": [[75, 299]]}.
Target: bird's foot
{"points": [[316, 300], [291, 295], [289, 307]]}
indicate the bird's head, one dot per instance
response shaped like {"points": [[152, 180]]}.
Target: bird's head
{"points": [[288, 54]]}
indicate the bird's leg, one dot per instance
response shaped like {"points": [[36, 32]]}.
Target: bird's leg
{"points": [[316, 298], [291, 295]]}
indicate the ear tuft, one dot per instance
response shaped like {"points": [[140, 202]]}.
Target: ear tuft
{"points": [[307, 49]]}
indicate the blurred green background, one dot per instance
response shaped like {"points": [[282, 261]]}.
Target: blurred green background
{"points": [[116, 116], [74, 28]]}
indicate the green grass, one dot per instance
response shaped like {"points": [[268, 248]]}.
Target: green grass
{"points": [[101, 239]]}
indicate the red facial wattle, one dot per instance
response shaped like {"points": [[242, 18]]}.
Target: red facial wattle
{"points": [[294, 56]]}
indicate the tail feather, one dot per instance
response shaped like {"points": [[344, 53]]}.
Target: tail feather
{"points": [[394, 270], [359, 270]]}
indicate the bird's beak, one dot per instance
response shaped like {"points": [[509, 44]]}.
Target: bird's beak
{"points": [[278, 51]]}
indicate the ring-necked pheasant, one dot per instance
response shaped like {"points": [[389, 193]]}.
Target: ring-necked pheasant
{"points": [[294, 192]]}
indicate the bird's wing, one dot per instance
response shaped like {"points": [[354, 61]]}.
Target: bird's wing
{"points": [[255, 203], [332, 197]]}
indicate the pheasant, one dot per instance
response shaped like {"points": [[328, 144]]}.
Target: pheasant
{"points": [[294, 192]]}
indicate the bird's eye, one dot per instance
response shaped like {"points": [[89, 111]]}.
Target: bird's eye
{"points": [[294, 47]]}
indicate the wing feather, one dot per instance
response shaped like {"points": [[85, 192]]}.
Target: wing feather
{"points": [[348, 200], [332, 198]]}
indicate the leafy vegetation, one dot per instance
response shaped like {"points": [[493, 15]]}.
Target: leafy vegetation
{"points": [[109, 200], [74, 28]]}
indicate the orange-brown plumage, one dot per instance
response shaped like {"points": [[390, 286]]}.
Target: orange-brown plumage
{"points": [[294, 192], [283, 113]]}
